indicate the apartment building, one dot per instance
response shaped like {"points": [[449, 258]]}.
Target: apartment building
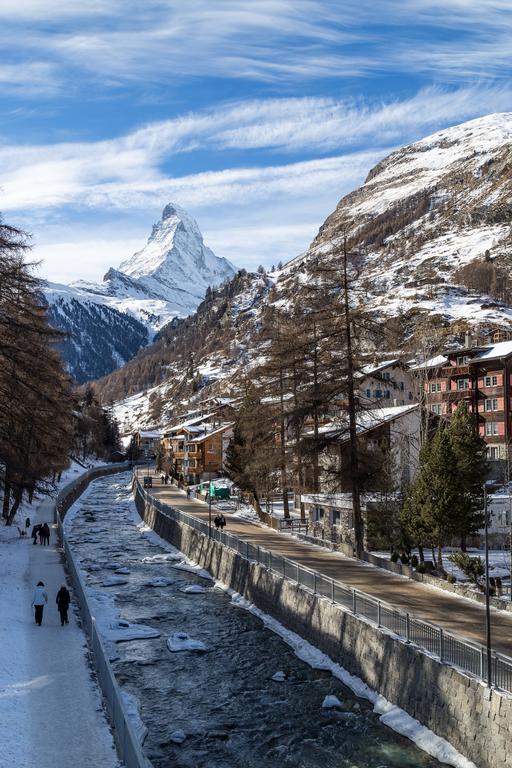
{"points": [[198, 449], [481, 376], [386, 384]]}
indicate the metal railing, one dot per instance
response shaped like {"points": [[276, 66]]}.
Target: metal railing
{"points": [[128, 747], [426, 637]]}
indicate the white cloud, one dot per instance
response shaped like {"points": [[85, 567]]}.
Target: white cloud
{"points": [[127, 172], [120, 41]]}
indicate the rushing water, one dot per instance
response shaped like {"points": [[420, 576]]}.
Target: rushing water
{"points": [[232, 712]]}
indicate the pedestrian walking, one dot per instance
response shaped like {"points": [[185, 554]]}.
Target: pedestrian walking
{"points": [[166, 479], [162, 479], [222, 522], [63, 600], [41, 534], [35, 533], [46, 533], [188, 493], [27, 522], [39, 600], [217, 521]]}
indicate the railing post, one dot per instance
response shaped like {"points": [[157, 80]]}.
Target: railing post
{"points": [[298, 574], [354, 601], [332, 590], [284, 567], [482, 662], [314, 582], [247, 550], [407, 628], [441, 644], [378, 613], [258, 553]]}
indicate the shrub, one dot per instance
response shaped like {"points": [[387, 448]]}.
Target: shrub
{"points": [[451, 579], [414, 561], [404, 557], [472, 567], [420, 568], [394, 557]]}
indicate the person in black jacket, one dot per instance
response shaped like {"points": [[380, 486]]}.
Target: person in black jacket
{"points": [[63, 600]]}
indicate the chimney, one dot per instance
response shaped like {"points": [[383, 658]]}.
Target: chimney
{"points": [[468, 340]]}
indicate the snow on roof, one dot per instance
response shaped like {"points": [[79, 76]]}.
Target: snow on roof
{"points": [[150, 434], [502, 349], [188, 423], [202, 438], [367, 420], [375, 367], [434, 362]]}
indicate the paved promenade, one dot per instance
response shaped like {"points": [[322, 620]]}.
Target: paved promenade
{"points": [[52, 715], [453, 613]]}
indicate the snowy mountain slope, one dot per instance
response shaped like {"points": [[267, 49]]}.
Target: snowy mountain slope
{"points": [[426, 211], [167, 278], [100, 338], [432, 230]]}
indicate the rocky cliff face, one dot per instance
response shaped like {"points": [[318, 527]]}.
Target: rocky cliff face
{"points": [[168, 278], [431, 231]]}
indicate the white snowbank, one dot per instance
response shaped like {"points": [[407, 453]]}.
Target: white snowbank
{"points": [[162, 558], [158, 581], [394, 717], [279, 677], [121, 631], [193, 568], [132, 708], [193, 589], [114, 581], [180, 641], [331, 702]]}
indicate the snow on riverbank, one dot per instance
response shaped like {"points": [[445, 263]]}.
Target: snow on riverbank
{"points": [[390, 715], [46, 685]]}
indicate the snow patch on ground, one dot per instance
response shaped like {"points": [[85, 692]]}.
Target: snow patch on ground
{"points": [[132, 708], [180, 641]]}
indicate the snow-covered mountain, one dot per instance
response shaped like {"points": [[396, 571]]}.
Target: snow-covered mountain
{"points": [[431, 232], [168, 278]]}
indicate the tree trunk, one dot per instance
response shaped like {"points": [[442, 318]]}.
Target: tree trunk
{"points": [[354, 458], [284, 478], [17, 501], [421, 553], [7, 498], [440, 556]]}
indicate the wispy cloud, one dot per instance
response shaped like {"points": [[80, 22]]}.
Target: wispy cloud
{"points": [[119, 41], [129, 171]]}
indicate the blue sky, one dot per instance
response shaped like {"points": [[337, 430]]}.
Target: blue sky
{"points": [[255, 115]]}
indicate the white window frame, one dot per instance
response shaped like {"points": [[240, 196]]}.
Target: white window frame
{"points": [[494, 402], [464, 382], [435, 386], [491, 428], [491, 381], [493, 452], [436, 408]]}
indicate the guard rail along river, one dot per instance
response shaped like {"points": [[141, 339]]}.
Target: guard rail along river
{"points": [[433, 675]]}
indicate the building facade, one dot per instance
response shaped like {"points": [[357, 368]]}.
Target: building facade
{"points": [[480, 376]]}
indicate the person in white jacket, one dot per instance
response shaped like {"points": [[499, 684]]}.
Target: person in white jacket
{"points": [[39, 600]]}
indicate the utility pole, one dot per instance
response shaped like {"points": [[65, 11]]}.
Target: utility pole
{"points": [[487, 597]]}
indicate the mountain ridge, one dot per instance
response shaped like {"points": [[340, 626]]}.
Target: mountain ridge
{"points": [[431, 230]]}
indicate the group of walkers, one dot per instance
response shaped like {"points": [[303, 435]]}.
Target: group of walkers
{"points": [[43, 532], [220, 521], [40, 599], [164, 479]]}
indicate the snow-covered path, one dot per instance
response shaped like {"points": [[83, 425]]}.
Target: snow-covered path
{"points": [[50, 706]]}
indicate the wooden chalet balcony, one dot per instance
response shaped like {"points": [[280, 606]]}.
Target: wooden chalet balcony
{"points": [[456, 370]]}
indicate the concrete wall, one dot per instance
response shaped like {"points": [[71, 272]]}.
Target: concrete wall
{"points": [[475, 720]]}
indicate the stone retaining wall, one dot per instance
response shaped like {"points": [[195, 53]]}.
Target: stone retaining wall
{"points": [[477, 721]]}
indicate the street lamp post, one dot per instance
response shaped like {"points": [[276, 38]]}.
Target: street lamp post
{"points": [[487, 600], [210, 506]]}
